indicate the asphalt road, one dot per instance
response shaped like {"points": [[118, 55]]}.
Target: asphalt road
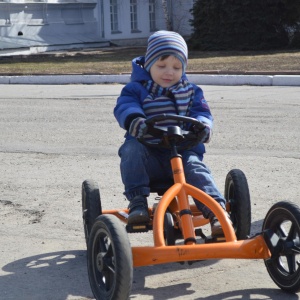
{"points": [[54, 137]]}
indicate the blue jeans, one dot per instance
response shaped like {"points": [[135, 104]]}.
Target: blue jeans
{"points": [[140, 165]]}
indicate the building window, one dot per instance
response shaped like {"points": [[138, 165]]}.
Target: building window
{"points": [[152, 15], [133, 16], [114, 24]]}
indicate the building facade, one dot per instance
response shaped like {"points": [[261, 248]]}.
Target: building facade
{"points": [[44, 25], [127, 22]]}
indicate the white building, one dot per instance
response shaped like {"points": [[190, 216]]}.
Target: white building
{"points": [[28, 26]]}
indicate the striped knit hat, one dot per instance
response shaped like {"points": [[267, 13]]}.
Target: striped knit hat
{"points": [[166, 43]]}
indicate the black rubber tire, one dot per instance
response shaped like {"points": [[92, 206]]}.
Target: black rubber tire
{"points": [[283, 219], [169, 230], [109, 259], [238, 196], [91, 206]]}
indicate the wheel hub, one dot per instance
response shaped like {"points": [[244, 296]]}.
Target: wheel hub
{"points": [[100, 262]]}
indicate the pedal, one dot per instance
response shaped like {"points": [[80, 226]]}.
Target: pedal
{"points": [[132, 228], [199, 232], [215, 239]]}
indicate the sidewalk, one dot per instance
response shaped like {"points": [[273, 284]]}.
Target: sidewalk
{"points": [[200, 79]]}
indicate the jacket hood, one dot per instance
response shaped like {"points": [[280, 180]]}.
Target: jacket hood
{"points": [[139, 74]]}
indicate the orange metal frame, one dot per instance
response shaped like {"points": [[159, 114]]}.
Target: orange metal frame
{"points": [[175, 200]]}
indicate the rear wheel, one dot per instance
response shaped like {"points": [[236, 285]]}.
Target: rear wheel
{"points": [[283, 219], [238, 197], [91, 205], [169, 230], [109, 259]]}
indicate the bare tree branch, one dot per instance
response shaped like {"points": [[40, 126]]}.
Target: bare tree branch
{"points": [[167, 15]]}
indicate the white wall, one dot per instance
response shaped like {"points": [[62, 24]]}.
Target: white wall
{"points": [[48, 21], [58, 22]]}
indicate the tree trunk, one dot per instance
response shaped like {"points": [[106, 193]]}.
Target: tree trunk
{"points": [[167, 15]]}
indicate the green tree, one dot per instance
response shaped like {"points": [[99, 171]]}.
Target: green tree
{"points": [[243, 25]]}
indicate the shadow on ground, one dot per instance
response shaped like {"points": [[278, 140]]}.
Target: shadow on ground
{"points": [[52, 276], [60, 275]]}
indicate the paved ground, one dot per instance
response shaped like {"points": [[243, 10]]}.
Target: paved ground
{"points": [[54, 137]]}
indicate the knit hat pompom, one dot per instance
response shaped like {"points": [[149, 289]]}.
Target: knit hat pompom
{"points": [[163, 43]]}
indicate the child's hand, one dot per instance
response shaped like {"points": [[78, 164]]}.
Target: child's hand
{"points": [[138, 127], [205, 133]]}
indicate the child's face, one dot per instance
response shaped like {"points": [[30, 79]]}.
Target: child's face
{"points": [[166, 72]]}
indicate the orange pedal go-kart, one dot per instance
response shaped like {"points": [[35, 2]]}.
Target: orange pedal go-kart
{"points": [[176, 226]]}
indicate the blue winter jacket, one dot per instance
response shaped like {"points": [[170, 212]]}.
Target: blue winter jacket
{"points": [[129, 103]]}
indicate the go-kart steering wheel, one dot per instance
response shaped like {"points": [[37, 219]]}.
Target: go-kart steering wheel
{"points": [[168, 136]]}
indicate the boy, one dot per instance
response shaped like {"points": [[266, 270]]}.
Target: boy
{"points": [[159, 85]]}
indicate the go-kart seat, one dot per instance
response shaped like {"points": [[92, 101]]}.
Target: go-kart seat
{"points": [[160, 186]]}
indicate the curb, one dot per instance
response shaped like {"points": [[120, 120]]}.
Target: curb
{"points": [[199, 79]]}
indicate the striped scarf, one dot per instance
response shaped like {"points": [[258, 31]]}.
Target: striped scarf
{"points": [[175, 100]]}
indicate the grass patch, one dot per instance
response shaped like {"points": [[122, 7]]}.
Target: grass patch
{"points": [[118, 60]]}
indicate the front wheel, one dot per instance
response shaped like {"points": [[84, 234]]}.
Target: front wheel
{"points": [[238, 197], [109, 259], [283, 219]]}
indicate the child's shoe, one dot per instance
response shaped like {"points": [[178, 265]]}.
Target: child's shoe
{"points": [[216, 227], [138, 211]]}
